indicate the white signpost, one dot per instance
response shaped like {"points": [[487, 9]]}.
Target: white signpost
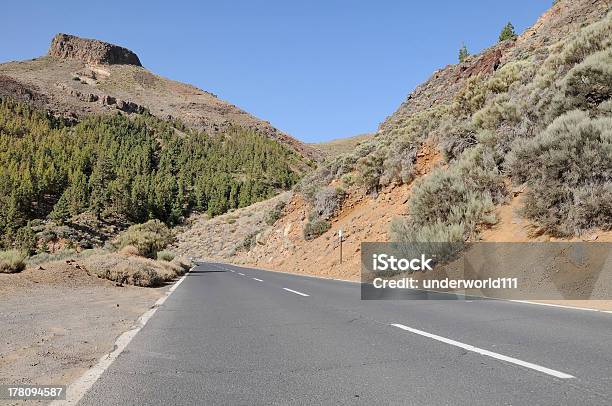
{"points": [[340, 237]]}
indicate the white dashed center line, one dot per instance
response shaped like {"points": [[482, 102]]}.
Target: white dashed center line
{"points": [[491, 354], [240, 273], [258, 280], [296, 292]]}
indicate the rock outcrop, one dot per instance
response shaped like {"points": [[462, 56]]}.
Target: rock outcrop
{"points": [[91, 51]]}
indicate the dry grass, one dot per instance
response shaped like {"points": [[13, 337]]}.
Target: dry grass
{"points": [[135, 270], [12, 261]]}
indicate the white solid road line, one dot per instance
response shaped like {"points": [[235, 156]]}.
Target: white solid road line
{"points": [[258, 280], [491, 354], [240, 273], [448, 293], [77, 389], [586, 309], [296, 292]]}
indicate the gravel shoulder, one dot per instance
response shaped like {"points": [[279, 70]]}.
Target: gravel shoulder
{"points": [[58, 321]]}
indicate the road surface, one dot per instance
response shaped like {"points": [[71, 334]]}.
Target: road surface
{"points": [[240, 336]]}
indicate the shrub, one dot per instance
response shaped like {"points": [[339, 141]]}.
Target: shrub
{"points": [[399, 165], [249, 241], [148, 238], [56, 256], [182, 262], [370, 169], [165, 256], [315, 227], [478, 167], [567, 168], [124, 270], [311, 184], [497, 111], [343, 164], [589, 83], [438, 239], [471, 97], [444, 205], [276, 213], [520, 71], [456, 138], [328, 201], [12, 261], [132, 270]]}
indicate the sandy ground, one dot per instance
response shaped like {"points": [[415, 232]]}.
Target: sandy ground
{"points": [[58, 321]]}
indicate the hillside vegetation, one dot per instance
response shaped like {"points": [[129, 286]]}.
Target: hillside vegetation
{"points": [[512, 144], [542, 119], [136, 168]]}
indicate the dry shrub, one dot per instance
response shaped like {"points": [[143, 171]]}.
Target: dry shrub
{"points": [[12, 261], [501, 109], [370, 169], [134, 270], [399, 166], [569, 173], [315, 227], [276, 213], [165, 256], [445, 207], [129, 251], [455, 137], [148, 238], [312, 183], [182, 262], [328, 201], [590, 83]]}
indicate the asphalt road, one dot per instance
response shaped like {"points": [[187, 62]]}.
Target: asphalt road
{"points": [[239, 336]]}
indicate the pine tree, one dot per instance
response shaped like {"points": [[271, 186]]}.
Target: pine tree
{"points": [[463, 53], [98, 185], [507, 33], [137, 167], [61, 209], [25, 239]]}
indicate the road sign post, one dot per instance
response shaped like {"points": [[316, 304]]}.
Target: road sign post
{"points": [[340, 238]]}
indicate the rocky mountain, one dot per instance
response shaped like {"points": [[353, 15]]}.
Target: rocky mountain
{"points": [[91, 142], [80, 77]]}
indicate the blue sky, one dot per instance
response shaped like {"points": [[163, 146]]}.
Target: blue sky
{"points": [[317, 69]]}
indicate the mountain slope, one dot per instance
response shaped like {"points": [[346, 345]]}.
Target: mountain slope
{"points": [[79, 77], [91, 142], [514, 144]]}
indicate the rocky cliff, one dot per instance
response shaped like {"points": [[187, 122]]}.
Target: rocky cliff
{"points": [[91, 51]]}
